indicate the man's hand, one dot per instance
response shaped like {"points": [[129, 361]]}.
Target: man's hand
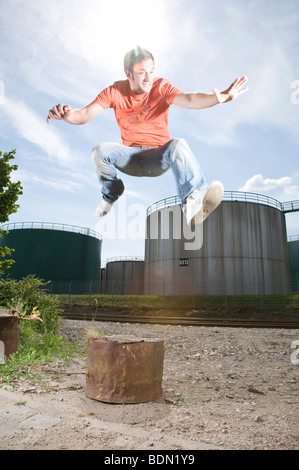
{"points": [[75, 116], [232, 92], [201, 100], [59, 112]]}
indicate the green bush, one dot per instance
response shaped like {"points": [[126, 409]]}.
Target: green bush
{"points": [[28, 293]]}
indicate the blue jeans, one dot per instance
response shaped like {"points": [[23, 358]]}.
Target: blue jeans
{"points": [[145, 161]]}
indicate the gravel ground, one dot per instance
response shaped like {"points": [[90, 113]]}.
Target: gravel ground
{"points": [[223, 388]]}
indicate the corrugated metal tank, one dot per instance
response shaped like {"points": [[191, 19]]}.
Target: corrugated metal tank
{"points": [[53, 252], [240, 249], [293, 250], [124, 275]]}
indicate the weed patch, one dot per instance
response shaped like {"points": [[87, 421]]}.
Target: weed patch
{"points": [[35, 348]]}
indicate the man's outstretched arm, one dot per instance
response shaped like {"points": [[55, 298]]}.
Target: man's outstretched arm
{"points": [[74, 116], [206, 100]]}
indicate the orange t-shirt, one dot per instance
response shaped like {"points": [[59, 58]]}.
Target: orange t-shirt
{"points": [[142, 118]]}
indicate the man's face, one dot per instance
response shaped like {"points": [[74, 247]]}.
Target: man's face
{"points": [[142, 77]]}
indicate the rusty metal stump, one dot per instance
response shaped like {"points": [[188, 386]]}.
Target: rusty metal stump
{"points": [[9, 332], [123, 369]]}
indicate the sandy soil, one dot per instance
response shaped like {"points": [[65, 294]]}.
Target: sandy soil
{"points": [[223, 388]]}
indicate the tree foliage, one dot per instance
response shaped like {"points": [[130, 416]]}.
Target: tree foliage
{"points": [[9, 193]]}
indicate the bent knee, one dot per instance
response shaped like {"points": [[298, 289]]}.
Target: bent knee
{"points": [[98, 152], [179, 143], [98, 155], [179, 149]]}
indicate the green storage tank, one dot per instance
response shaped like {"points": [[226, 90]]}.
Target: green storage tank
{"points": [[53, 252]]}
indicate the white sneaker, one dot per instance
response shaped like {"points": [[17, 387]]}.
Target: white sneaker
{"points": [[212, 198], [202, 202], [103, 208], [193, 207]]}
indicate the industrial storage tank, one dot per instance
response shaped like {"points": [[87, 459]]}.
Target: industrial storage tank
{"points": [[124, 275], [241, 248], [293, 250], [56, 252]]}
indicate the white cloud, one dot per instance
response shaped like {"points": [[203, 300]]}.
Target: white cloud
{"points": [[283, 188], [30, 126], [31, 180], [266, 184]]}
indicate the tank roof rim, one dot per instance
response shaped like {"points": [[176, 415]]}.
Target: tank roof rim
{"points": [[51, 226], [124, 258], [229, 196]]}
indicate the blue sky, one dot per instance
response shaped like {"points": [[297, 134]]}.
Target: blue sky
{"points": [[67, 51]]}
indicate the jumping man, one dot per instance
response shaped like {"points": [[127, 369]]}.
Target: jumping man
{"points": [[141, 104]]}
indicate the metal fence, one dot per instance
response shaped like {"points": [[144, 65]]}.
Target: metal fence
{"points": [[174, 296], [139, 287], [75, 287]]}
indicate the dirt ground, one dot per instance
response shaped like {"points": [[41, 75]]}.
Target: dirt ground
{"points": [[223, 388]]}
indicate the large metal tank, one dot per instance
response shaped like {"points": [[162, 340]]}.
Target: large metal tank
{"points": [[293, 250], [240, 249], [53, 252], [124, 275]]}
